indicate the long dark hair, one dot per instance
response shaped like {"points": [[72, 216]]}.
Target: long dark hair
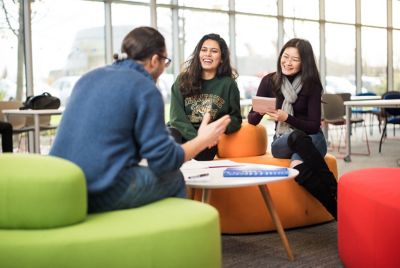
{"points": [[309, 71], [143, 42], [190, 78]]}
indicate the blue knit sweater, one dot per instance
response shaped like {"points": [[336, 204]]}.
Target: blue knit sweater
{"points": [[114, 119]]}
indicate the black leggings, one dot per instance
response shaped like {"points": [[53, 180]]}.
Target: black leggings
{"points": [[205, 155], [6, 132]]}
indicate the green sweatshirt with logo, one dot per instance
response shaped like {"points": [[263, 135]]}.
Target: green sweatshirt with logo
{"points": [[220, 96]]}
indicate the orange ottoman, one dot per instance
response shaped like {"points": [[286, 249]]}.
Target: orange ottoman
{"points": [[242, 210], [369, 218]]}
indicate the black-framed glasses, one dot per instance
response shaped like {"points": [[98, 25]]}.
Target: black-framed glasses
{"points": [[167, 60]]}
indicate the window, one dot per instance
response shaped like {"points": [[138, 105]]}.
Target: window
{"points": [[268, 7], [373, 12], [305, 30], [396, 13], [191, 33], [396, 60], [256, 54], [340, 10], [123, 21], [308, 9], [209, 4], [340, 58], [374, 64], [9, 52], [66, 42]]}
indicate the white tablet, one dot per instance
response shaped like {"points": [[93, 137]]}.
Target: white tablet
{"points": [[263, 104]]}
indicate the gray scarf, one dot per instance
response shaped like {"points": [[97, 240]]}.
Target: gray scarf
{"points": [[289, 91]]}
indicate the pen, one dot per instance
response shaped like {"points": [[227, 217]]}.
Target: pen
{"points": [[198, 176], [224, 166]]}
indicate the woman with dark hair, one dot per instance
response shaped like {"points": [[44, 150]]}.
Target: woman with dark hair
{"points": [[207, 84], [298, 136]]}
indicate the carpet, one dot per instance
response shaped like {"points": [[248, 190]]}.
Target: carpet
{"points": [[313, 246]]}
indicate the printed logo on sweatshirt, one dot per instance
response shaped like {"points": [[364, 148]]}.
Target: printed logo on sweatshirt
{"points": [[201, 104]]}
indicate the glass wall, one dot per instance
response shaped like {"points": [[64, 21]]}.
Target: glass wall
{"points": [[374, 61], [255, 54], [191, 33], [11, 52], [303, 29], [67, 41], [266, 7], [308, 9], [396, 45], [396, 60], [340, 58], [340, 11], [123, 21], [65, 45], [373, 12]]}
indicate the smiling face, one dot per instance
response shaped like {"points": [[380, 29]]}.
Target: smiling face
{"points": [[210, 57], [290, 61]]}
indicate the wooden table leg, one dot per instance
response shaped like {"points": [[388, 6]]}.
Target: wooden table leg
{"points": [[274, 215], [205, 196], [190, 192]]}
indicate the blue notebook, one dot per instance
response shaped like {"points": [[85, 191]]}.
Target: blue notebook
{"points": [[256, 172]]}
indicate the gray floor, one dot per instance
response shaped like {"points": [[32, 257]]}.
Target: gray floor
{"points": [[314, 246]]}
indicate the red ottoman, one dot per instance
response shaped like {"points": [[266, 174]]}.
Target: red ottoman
{"points": [[369, 218]]}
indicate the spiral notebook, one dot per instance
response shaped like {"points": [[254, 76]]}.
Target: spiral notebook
{"points": [[255, 172]]}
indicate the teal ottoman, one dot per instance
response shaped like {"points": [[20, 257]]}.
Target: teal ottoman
{"points": [[43, 223]]}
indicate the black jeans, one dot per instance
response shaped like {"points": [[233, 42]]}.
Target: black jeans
{"points": [[205, 155], [6, 132]]}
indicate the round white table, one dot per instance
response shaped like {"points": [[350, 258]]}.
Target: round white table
{"points": [[212, 178]]}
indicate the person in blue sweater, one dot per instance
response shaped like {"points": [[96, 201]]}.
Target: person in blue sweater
{"points": [[115, 119]]}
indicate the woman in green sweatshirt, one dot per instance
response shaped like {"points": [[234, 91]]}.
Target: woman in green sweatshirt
{"points": [[206, 85]]}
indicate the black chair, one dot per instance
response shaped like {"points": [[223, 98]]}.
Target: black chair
{"points": [[391, 115]]}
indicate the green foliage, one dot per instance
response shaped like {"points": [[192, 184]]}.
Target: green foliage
{"points": [[2, 94]]}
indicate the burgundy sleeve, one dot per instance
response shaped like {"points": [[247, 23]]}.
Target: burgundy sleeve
{"points": [[264, 90]]}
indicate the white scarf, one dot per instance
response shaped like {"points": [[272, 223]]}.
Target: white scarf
{"points": [[289, 91]]}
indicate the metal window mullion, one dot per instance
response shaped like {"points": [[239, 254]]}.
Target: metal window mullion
{"points": [[281, 32], [390, 74], [28, 47], [108, 33], [176, 55], [358, 47], [232, 32], [322, 50], [153, 13]]}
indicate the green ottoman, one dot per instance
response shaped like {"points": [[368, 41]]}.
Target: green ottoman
{"points": [[43, 223]]}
